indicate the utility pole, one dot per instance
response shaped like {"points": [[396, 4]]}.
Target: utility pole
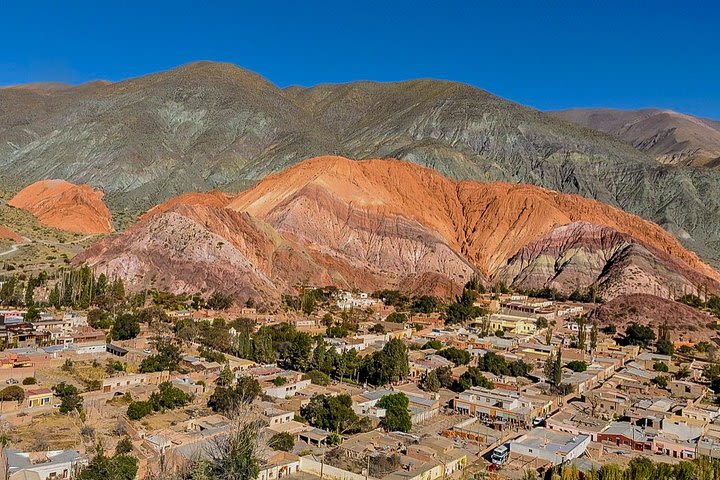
{"points": [[322, 464]]}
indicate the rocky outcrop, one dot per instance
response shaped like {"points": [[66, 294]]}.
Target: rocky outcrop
{"points": [[393, 224], [209, 125], [65, 206]]}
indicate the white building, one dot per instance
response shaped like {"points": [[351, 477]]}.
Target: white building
{"points": [[55, 465], [553, 446]]}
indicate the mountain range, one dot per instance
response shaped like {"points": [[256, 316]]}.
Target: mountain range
{"points": [[211, 125], [392, 224], [670, 137]]}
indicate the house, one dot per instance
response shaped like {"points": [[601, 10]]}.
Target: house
{"points": [[517, 323], [315, 437], [123, 383], [275, 416], [51, 465], [550, 445], [627, 434], [502, 408], [573, 421], [689, 390], [275, 465], [91, 348], [38, 397], [292, 386]]}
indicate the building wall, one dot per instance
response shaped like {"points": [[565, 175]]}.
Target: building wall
{"points": [[309, 465]]}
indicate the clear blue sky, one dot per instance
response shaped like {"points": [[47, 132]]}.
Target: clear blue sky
{"points": [[548, 54]]}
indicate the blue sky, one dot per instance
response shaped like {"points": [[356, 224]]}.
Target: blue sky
{"points": [[548, 54]]}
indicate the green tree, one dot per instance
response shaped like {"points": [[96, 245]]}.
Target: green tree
{"points": [[641, 335], [582, 334], [70, 400], [228, 399], [98, 318], [169, 397], [317, 377], [430, 382], [32, 314], [167, 357], [577, 366], [594, 336], [333, 413], [13, 393], [102, 467], [660, 381], [124, 446], [282, 441], [397, 317], [397, 416], [138, 410], [433, 344], [455, 355], [125, 327], [660, 367], [263, 349]]}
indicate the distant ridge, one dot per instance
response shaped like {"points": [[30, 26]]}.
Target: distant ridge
{"points": [[671, 137]]}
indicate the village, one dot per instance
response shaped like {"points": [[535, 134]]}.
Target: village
{"points": [[347, 385]]}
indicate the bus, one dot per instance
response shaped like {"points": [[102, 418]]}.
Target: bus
{"points": [[500, 455]]}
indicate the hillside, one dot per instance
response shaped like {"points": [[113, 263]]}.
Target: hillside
{"points": [[385, 223], [206, 125], [670, 137], [62, 205]]}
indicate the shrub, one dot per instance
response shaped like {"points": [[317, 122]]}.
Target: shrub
{"points": [[138, 410], [577, 366]]}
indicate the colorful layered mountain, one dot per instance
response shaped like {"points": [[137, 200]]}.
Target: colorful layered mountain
{"points": [[66, 206], [214, 125], [389, 223]]}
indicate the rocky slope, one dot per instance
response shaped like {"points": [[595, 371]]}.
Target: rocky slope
{"points": [[652, 310], [65, 206], [388, 223], [7, 234], [209, 125], [579, 254], [671, 137]]}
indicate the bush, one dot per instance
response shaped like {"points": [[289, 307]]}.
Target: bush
{"points": [[396, 317], [138, 410], [317, 377], [125, 327], [12, 393], [455, 355], [29, 381], [660, 367], [577, 366], [660, 381], [434, 344], [282, 441], [124, 446], [337, 332]]}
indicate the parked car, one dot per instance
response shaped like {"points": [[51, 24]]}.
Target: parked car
{"points": [[11, 381]]}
